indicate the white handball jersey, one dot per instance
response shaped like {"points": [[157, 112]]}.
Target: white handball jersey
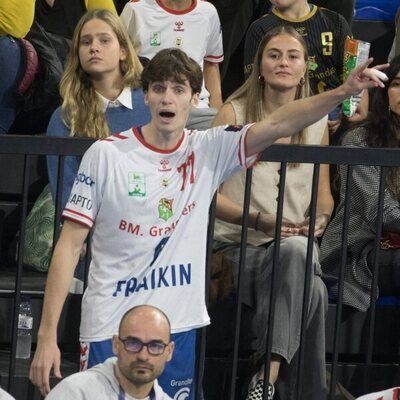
{"points": [[195, 30], [149, 211]]}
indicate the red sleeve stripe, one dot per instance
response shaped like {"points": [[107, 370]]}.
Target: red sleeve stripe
{"points": [[216, 58], [244, 137], [78, 214]]}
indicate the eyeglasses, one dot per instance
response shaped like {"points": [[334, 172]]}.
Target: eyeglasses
{"points": [[135, 345]]}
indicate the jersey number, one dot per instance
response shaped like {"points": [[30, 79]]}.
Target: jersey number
{"points": [[187, 169], [327, 43]]}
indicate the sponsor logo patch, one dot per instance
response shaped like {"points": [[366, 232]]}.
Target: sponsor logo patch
{"points": [[179, 26], [233, 128], [136, 184], [182, 394], [83, 178], [155, 39], [312, 64], [165, 209], [164, 165], [161, 277]]}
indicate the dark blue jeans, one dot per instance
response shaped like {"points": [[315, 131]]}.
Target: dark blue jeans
{"points": [[11, 69]]}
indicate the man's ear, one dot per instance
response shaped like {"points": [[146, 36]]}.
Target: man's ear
{"points": [[146, 98], [195, 100], [115, 344]]}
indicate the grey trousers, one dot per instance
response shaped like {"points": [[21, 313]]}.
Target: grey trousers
{"points": [[288, 311]]}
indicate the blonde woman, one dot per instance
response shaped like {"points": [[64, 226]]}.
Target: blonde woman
{"points": [[100, 89], [279, 76]]}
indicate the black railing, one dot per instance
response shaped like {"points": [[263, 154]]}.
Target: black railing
{"points": [[29, 146]]}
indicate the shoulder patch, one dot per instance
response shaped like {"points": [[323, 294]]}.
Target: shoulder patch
{"points": [[233, 128]]}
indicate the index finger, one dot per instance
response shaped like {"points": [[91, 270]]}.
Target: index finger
{"points": [[380, 67], [375, 76]]}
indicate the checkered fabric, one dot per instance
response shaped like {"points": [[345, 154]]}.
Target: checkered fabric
{"points": [[256, 393]]}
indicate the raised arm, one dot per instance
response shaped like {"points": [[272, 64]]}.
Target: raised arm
{"points": [[298, 114], [229, 211], [63, 263]]}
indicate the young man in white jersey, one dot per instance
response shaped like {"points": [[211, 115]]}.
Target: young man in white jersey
{"points": [[147, 203], [190, 25], [142, 348]]}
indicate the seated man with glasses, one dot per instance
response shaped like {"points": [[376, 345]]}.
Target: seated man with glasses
{"points": [[142, 348]]}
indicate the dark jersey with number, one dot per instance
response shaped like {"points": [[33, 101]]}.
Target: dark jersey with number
{"points": [[324, 32]]}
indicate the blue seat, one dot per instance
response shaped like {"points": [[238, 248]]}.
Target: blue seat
{"points": [[382, 10]]}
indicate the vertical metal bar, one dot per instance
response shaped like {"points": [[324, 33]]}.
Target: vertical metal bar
{"points": [[343, 264], [18, 280], [275, 265], [375, 275], [59, 192], [242, 259], [307, 279], [201, 348]]}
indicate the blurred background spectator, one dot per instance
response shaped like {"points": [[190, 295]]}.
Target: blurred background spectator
{"points": [[14, 25]]}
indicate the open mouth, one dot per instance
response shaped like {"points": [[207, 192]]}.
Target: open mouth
{"points": [[167, 114]]}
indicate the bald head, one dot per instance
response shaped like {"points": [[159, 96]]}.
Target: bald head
{"points": [[145, 313], [137, 370]]}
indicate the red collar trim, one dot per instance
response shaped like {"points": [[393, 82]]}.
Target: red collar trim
{"points": [[177, 12], [139, 136]]}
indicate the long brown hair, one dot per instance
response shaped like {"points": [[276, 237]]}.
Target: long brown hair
{"points": [[252, 92], [383, 125], [80, 101]]}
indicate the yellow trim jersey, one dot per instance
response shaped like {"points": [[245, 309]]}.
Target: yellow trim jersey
{"points": [[324, 32]]}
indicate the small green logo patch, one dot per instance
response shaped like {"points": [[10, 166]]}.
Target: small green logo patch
{"points": [[136, 184], [165, 209]]}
